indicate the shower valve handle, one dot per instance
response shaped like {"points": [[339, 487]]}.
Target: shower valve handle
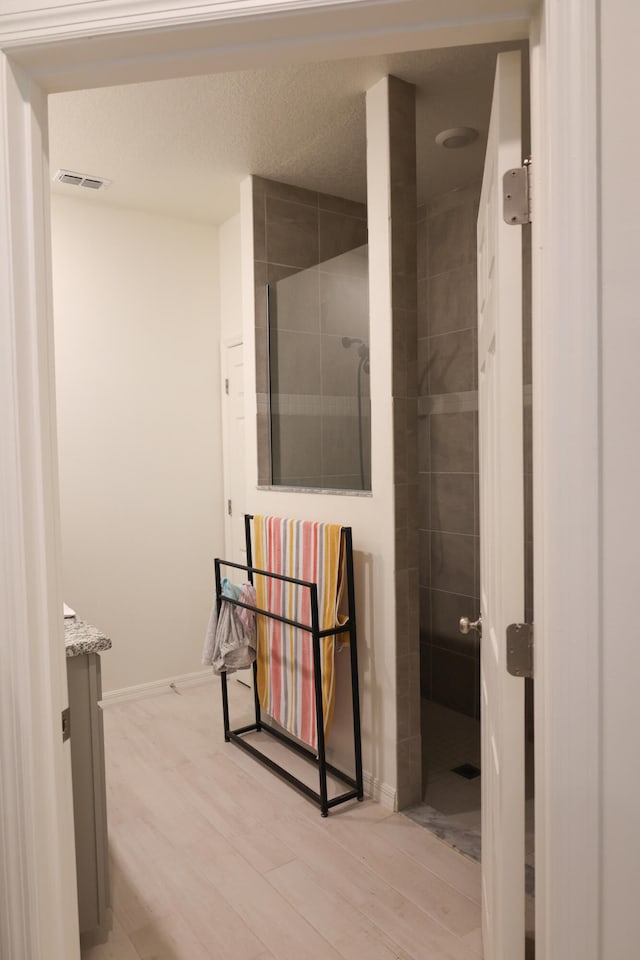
{"points": [[466, 625]]}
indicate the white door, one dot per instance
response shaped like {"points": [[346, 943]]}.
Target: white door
{"points": [[233, 453], [501, 528], [235, 548]]}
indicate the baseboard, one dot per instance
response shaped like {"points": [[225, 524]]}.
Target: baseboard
{"points": [[386, 795], [152, 689]]}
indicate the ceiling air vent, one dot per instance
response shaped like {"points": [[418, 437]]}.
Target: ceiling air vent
{"points": [[81, 180]]}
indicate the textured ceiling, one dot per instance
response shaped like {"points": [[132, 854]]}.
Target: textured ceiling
{"points": [[182, 146]]}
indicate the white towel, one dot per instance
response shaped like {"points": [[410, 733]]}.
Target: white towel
{"points": [[230, 642]]}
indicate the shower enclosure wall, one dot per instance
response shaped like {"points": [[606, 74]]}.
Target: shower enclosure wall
{"points": [[312, 335], [319, 375]]}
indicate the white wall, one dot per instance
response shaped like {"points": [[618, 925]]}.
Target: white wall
{"points": [[138, 396], [371, 517], [230, 279]]}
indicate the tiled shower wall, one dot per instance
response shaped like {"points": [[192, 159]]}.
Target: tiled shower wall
{"points": [[402, 155], [448, 449], [316, 416], [293, 229]]}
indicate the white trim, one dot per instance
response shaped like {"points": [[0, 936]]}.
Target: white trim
{"points": [[34, 838], [566, 389], [156, 687], [37, 862], [383, 793], [72, 20]]}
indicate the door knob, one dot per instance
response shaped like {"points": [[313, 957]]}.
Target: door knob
{"points": [[466, 625]]}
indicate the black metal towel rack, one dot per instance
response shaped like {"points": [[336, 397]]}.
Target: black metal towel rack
{"points": [[238, 735]]}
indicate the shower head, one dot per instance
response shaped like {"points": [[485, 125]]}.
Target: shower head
{"points": [[349, 341]]}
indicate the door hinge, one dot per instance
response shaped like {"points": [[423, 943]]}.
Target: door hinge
{"points": [[520, 649], [516, 194], [229, 508], [226, 385], [66, 724]]}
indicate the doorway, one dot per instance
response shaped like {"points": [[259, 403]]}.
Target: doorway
{"points": [[449, 532], [26, 236]]}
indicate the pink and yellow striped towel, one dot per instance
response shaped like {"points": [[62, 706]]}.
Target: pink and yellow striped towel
{"points": [[310, 551]]}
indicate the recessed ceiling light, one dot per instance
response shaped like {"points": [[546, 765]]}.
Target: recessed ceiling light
{"points": [[456, 137]]}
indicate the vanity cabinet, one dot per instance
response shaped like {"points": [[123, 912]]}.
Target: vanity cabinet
{"points": [[89, 797]]}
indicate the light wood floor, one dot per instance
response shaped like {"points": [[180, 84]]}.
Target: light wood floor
{"points": [[212, 856]]}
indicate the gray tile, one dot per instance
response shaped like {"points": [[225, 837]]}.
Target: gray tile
{"points": [[259, 228], [353, 262], [292, 233], [260, 286], [460, 197], [446, 610], [452, 363], [402, 612], [349, 208], [452, 300], [452, 563], [425, 671], [425, 558], [262, 360], [278, 271], [296, 446], [421, 249], [264, 449], [401, 540], [452, 442], [339, 234], [401, 504], [400, 440], [404, 292], [295, 363], [340, 368], [451, 240], [403, 248], [340, 449], [453, 502], [422, 367], [411, 428], [286, 191], [297, 301], [476, 566], [424, 445], [344, 305], [424, 502], [423, 311], [453, 681]]}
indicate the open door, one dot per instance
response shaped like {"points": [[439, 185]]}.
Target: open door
{"points": [[501, 528], [233, 451]]}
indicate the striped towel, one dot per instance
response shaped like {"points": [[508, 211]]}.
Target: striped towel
{"points": [[309, 551]]}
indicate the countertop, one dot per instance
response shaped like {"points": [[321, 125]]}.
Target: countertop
{"points": [[83, 638]]}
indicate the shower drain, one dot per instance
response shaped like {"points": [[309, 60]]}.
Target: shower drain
{"points": [[467, 770]]}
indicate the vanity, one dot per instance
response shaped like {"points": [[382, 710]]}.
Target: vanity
{"points": [[83, 645]]}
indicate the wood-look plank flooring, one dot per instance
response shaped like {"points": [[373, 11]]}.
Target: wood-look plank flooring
{"points": [[213, 857]]}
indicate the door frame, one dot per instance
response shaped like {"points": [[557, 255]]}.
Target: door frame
{"points": [[60, 46]]}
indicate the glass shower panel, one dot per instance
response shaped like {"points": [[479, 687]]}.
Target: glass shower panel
{"points": [[319, 376]]}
